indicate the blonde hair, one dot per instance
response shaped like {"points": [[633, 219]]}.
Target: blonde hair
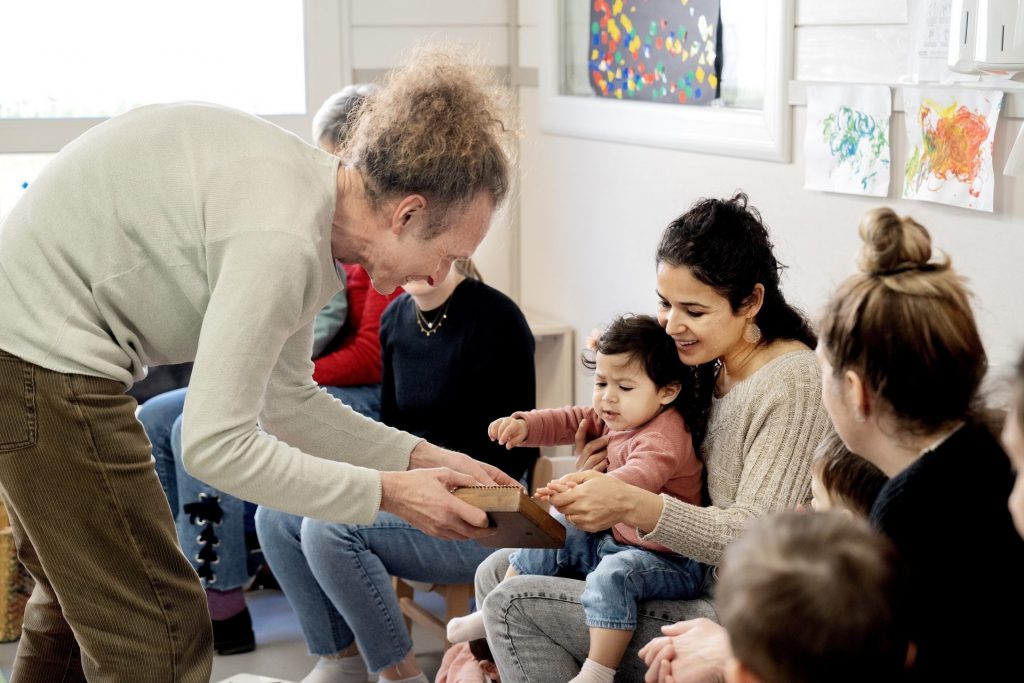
{"points": [[814, 597], [439, 126], [905, 324], [467, 269]]}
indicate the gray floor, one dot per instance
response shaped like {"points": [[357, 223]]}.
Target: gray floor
{"points": [[280, 650]]}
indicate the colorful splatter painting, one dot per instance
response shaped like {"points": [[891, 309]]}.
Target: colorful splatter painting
{"points": [[846, 143], [656, 50], [950, 133]]}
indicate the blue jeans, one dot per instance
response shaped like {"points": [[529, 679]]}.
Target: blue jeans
{"points": [[618, 576], [337, 578], [364, 399], [212, 525]]}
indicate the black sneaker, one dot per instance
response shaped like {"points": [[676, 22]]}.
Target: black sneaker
{"points": [[233, 636]]}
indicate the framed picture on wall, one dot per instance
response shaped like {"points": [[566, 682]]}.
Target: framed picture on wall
{"points": [[749, 116]]}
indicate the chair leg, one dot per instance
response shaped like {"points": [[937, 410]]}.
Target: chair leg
{"points": [[457, 597]]}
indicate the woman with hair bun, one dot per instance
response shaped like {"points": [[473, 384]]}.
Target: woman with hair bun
{"points": [[756, 378], [901, 362]]}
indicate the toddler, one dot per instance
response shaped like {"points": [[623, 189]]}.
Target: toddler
{"points": [[842, 480], [816, 597], [638, 377]]}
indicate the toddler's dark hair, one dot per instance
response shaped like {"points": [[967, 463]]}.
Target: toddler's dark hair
{"points": [[643, 339], [846, 475], [481, 650]]}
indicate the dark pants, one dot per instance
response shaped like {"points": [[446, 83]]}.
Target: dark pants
{"points": [[115, 599]]}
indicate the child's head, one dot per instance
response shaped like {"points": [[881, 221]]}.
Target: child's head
{"points": [[813, 598], [1013, 441], [841, 479], [482, 652], [637, 372]]}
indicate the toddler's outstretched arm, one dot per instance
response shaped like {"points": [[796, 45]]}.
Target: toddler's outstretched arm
{"points": [[508, 431]]}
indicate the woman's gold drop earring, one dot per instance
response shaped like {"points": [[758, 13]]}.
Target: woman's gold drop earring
{"points": [[752, 333]]}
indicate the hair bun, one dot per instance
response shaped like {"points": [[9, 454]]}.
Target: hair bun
{"points": [[892, 244]]}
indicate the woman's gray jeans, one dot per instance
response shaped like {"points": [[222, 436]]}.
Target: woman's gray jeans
{"points": [[536, 630]]}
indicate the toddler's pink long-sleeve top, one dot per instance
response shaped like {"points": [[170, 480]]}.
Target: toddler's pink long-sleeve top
{"points": [[658, 456]]}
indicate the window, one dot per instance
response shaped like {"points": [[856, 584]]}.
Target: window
{"points": [[233, 52], [750, 119], [65, 65]]}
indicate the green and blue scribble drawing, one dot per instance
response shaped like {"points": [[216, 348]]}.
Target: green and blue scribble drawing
{"points": [[856, 140]]}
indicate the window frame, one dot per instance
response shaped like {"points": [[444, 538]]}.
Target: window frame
{"points": [[328, 66], [750, 133]]}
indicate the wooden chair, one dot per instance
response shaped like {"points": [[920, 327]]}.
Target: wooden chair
{"points": [[456, 595], [456, 604]]}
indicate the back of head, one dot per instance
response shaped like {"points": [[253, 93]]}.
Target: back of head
{"points": [[725, 244], [810, 597], [439, 127], [846, 475], [905, 324], [331, 122]]}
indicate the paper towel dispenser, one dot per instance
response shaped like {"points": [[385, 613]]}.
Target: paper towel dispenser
{"points": [[987, 36]]}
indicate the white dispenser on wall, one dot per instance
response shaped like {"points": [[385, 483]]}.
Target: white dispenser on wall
{"points": [[987, 36]]}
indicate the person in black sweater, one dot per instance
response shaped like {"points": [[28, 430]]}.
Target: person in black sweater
{"points": [[456, 357], [902, 362]]}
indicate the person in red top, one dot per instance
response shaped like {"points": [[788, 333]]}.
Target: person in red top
{"points": [[638, 382], [350, 366]]}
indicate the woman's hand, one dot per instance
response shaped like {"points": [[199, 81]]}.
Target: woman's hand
{"points": [[694, 651], [508, 431], [592, 455], [594, 501]]}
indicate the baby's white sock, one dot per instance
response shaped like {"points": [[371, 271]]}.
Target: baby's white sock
{"points": [[467, 628], [337, 670], [592, 672], [419, 678]]}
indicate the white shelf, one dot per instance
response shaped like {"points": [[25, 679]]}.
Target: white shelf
{"points": [[1013, 93]]}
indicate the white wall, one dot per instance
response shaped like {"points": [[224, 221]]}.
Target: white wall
{"points": [[592, 211]]}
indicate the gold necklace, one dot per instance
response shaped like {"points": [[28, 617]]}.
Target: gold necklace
{"points": [[429, 327]]}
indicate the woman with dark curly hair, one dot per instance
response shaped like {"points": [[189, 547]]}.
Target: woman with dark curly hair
{"points": [[751, 354]]}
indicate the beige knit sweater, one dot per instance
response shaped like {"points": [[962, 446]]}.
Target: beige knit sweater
{"points": [[757, 452], [187, 231]]}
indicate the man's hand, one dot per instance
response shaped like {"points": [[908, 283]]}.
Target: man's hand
{"points": [[423, 497], [428, 455], [694, 651], [508, 431]]}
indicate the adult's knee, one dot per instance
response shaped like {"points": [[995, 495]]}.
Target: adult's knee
{"points": [[490, 572], [159, 412], [274, 527], [325, 543]]}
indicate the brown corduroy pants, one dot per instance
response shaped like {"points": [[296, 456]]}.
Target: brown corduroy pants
{"points": [[115, 599]]}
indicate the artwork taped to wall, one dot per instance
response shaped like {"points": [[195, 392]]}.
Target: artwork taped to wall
{"points": [[950, 135], [656, 51], [846, 144]]}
